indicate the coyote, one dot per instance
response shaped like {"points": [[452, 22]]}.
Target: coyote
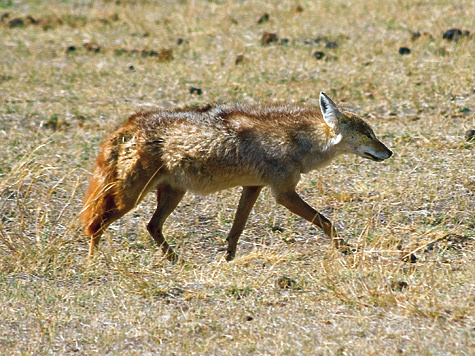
{"points": [[217, 147]]}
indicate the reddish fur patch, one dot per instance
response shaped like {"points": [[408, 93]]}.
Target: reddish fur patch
{"points": [[99, 201]]}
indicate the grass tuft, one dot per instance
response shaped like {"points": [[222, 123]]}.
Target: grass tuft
{"points": [[71, 77]]}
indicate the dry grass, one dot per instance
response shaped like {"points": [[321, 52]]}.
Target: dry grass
{"points": [[57, 105]]}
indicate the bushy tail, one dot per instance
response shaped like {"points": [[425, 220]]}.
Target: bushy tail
{"points": [[123, 175], [99, 204]]}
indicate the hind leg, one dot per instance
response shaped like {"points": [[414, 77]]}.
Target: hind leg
{"points": [[167, 200]]}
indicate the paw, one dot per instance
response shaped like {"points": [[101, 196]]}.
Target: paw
{"points": [[229, 256], [171, 256], [343, 246]]}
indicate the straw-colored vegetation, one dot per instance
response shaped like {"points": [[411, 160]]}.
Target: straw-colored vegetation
{"points": [[72, 71]]}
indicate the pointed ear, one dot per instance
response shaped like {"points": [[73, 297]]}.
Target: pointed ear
{"points": [[329, 111]]}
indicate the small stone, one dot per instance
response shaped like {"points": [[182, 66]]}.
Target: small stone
{"points": [[263, 18], [196, 91], [276, 228], [70, 49], [404, 50], [470, 135], [239, 59], [18, 22], [452, 34], [318, 55], [269, 37], [411, 258], [398, 286]]}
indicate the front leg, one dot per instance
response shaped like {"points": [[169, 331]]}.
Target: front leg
{"points": [[292, 201], [167, 200], [248, 198]]}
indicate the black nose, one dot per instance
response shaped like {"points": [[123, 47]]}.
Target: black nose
{"points": [[390, 153]]}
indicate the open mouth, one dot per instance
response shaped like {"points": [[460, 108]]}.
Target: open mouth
{"points": [[373, 157]]}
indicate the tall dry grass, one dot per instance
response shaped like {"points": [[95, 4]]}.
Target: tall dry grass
{"points": [[287, 292]]}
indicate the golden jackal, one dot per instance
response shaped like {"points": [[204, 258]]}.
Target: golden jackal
{"points": [[218, 147]]}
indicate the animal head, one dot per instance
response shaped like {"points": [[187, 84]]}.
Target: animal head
{"points": [[353, 133]]}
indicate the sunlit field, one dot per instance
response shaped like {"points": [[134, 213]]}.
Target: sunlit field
{"points": [[71, 72]]}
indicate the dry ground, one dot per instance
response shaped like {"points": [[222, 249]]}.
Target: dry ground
{"points": [[72, 71]]}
